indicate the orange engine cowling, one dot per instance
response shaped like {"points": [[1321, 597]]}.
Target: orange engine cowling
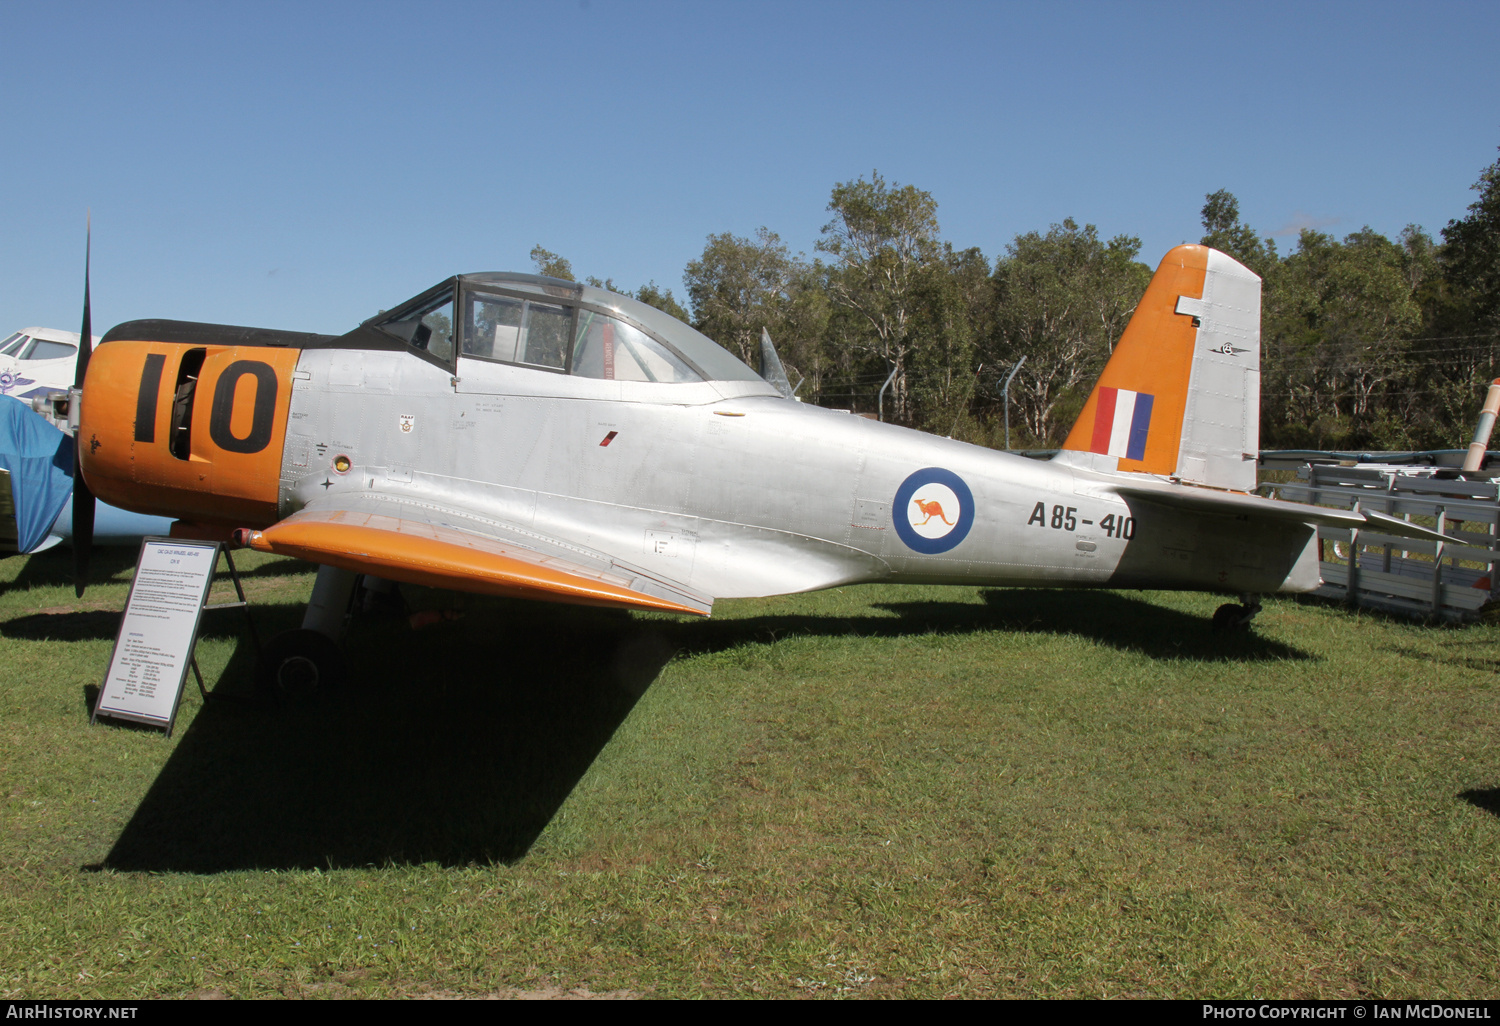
{"points": [[185, 431]]}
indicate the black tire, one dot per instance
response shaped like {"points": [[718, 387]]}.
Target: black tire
{"points": [[1231, 617], [300, 664]]}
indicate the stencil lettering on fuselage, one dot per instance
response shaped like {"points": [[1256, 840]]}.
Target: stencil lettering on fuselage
{"points": [[933, 511]]}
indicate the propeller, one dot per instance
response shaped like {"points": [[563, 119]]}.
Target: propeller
{"points": [[83, 499]]}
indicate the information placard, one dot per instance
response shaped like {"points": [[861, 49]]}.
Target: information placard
{"points": [[155, 645]]}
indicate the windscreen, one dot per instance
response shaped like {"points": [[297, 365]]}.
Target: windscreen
{"points": [[45, 350], [428, 326]]}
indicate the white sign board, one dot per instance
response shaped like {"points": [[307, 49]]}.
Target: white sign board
{"points": [[155, 645]]}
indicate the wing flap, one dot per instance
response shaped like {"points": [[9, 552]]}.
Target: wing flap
{"points": [[420, 552]]}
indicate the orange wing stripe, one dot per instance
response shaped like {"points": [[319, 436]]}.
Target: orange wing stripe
{"points": [[404, 550]]}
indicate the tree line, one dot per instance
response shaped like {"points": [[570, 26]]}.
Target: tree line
{"points": [[1367, 342]]}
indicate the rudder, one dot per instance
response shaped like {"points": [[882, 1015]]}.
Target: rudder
{"points": [[1180, 395]]}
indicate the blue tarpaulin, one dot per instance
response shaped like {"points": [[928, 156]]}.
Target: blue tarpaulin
{"points": [[40, 461]]}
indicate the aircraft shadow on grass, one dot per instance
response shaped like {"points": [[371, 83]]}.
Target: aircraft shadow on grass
{"points": [[453, 745], [1487, 799], [1108, 618], [104, 624], [459, 743], [1474, 655], [1131, 625], [54, 569]]}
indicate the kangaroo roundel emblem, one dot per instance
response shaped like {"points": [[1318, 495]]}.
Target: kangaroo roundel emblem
{"points": [[933, 510]]}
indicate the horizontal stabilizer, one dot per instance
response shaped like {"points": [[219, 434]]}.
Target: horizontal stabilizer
{"points": [[437, 556], [1205, 500], [1387, 524]]}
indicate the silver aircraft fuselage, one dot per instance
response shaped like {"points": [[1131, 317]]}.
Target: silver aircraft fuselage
{"points": [[735, 491]]}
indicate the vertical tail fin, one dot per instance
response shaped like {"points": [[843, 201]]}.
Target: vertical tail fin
{"points": [[1180, 396]]}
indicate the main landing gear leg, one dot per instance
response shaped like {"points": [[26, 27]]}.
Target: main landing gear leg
{"points": [[307, 661], [1231, 617], [378, 596], [329, 604]]}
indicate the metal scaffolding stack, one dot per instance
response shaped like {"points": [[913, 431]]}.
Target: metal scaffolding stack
{"points": [[1445, 580]]}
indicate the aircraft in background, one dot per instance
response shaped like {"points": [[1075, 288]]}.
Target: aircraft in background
{"points": [[516, 435], [35, 455], [35, 361]]}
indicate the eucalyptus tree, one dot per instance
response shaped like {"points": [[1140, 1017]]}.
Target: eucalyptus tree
{"points": [[662, 299], [1224, 231], [1061, 300], [1466, 312], [740, 286], [949, 316], [1336, 334], [1471, 254], [880, 241], [550, 264], [553, 266]]}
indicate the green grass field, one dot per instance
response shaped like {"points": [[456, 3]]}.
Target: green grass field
{"points": [[873, 791]]}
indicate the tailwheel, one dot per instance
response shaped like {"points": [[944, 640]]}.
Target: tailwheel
{"points": [[1232, 616], [300, 664]]}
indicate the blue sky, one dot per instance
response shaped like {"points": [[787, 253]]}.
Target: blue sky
{"points": [[301, 165]]}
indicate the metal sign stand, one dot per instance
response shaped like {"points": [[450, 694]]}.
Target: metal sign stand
{"points": [[240, 603], [159, 630]]}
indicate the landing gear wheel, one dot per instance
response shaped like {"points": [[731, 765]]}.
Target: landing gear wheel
{"points": [[300, 664], [1232, 617]]}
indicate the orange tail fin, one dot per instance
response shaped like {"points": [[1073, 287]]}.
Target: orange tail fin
{"points": [[1180, 396]]}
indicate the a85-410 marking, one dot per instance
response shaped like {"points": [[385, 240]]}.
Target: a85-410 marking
{"points": [[1065, 518]]}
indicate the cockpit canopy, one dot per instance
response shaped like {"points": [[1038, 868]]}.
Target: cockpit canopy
{"points": [[558, 326]]}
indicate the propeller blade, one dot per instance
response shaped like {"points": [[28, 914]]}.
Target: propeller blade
{"points": [[86, 342], [83, 527], [83, 499]]}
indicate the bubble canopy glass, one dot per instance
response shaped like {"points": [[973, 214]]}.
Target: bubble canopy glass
{"points": [[562, 326]]}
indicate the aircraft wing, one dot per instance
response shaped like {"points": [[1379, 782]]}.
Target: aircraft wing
{"points": [[422, 543], [1205, 500]]}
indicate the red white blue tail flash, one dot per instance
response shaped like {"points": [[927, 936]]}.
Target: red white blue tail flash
{"points": [[1121, 423]]}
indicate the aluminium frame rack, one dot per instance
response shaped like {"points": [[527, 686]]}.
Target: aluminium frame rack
{"points": [[1439, 580]]}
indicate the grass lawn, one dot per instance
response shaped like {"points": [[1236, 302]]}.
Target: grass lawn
{"points": [[871, 791]]}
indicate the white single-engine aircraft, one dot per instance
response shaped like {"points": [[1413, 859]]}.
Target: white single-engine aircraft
{"points": [[518, 435], [35, 361]]}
